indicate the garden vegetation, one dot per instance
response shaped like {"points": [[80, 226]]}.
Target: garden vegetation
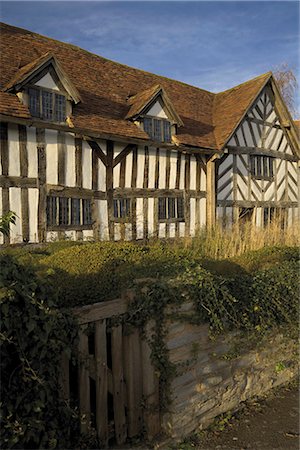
{"points": [[234, 285]]}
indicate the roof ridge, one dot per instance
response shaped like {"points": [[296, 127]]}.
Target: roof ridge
{"points": [[76, 47], [263, 75]]}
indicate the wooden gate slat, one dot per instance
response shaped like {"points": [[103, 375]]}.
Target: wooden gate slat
{"points": [[118, 385], [101, 382], [133, 377], [65, 377], [150, 389], [84, 383]]}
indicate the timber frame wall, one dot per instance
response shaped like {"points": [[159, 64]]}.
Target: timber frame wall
{"points": [[260, 134], [38, 163]]}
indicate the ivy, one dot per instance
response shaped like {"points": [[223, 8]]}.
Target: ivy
{"points": [[33, 336]]}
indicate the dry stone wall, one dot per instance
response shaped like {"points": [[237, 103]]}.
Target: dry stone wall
{"points": [[215, 376]]}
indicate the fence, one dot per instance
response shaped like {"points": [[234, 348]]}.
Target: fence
{"points": [[115, 381]]}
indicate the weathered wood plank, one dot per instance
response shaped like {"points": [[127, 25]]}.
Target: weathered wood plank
{"points": [[155, 193], [260, 151], [61, 147], [109, 189], [23, 151], [101, 382], [95, 146], [25, 214], [75, 192], [4, 164], [65, 378], [118, 385], [133, 379], [211, 194], [133, 186], [84, 383], [98, 311], [150, 388], [78, 161], [42, 203]]}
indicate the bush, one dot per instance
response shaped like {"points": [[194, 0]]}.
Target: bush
{"points": [[33, 336]]}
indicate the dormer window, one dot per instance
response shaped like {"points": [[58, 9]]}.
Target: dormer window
{"points": [[158, 129], [47, 104]]}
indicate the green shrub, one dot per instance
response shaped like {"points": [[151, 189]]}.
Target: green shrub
{"points": [[33, 336]]}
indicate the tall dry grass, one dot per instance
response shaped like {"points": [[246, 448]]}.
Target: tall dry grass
{"points": [[220, 242]]}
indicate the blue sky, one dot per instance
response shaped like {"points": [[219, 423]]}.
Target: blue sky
{"points": [[214, 45]]}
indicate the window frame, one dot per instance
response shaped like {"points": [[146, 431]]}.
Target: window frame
{"points": [[122, 212], [171, 203], [265, 169], [60, 215], [55, 94], [162, 121]]}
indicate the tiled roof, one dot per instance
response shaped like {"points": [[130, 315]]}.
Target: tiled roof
{"points": [[137, 102], [10, 105], [105, 86]]}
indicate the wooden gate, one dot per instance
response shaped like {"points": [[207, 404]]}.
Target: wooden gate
{"points": [[116, 383]]}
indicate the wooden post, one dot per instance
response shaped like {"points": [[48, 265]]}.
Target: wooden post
{"points": [[133, 378], [84, 383], [4, 164], [65, 378], [101, 382], [118, 385], [150, 389], [211, 192], [41, 149]]}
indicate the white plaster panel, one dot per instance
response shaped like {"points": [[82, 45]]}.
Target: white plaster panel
{"points": [[241, 137], [202, 221], [224, 193], [118, 147], [117, 229], [32, 153], [102, 145], [13, 150], [247, 134], [139, 218], [157, 111], [101, 176], [193, 216], [162, 169], [51, 157], [240, 164], [172, 230], [140, 167], [203, 181], [243, 187], [182, 172], [116, 175], [33, 200], [150, 216], [173, 167], [193, 173], [103, 220], [128, 173], [270, 138], [269, 194], [152, 158], [282, 145], [15, 205], [277, 140], [70, 160], [88, 235], [259, 217], [226, 163], [86, 165], [70, 235], [128, 231], [181, 229], [162, 230], [272, 116], [51, 236], [47, 82]]}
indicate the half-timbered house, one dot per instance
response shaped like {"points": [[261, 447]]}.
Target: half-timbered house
{"points": [[94, 149]]}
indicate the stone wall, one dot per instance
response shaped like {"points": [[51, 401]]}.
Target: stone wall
{"points": [[215, 376]]}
